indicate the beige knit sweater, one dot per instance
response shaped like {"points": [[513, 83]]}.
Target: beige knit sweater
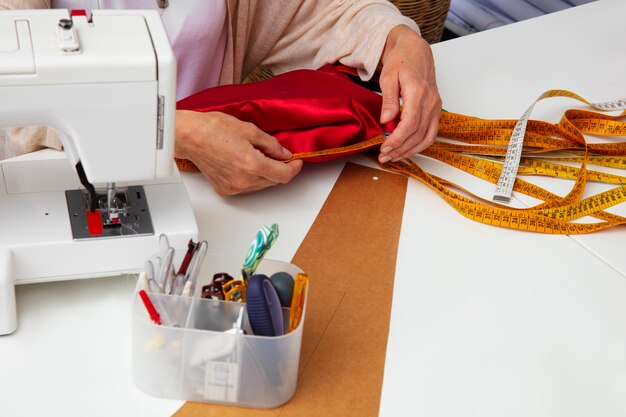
{"points": [[280, 34]]}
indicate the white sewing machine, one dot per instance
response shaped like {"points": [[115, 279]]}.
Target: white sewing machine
{"points": [[106, 83]]}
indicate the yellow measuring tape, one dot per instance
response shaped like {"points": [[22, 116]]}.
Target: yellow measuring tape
{"points": [[479, 147], [504, 186]]}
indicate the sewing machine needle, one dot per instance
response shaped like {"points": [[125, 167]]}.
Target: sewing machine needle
{"points": [[110, 196]]}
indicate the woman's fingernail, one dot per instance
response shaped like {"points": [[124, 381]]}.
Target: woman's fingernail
{"points": [[384, 159], [386, 149], [287, 153], [386, 115]]}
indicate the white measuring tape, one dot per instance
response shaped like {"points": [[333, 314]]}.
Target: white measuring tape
{"points": [[504, 186]]}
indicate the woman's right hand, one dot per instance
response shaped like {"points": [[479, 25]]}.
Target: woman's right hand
{"points": [[235, 157]]}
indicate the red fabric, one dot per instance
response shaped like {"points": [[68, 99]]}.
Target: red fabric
{"points": [[305, 110]]}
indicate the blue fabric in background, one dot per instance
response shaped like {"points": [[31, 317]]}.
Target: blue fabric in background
{"points": [[470, 16]]}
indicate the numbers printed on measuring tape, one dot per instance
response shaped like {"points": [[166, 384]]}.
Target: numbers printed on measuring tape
{"points": [[504, 186]]}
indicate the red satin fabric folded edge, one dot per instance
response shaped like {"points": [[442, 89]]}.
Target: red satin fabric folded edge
{"points": [[305, 110]]}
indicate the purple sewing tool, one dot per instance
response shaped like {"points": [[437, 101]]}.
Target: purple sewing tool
{"points": [[264, 310]]}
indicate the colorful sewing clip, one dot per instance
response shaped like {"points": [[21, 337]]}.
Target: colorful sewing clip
{"points": [[234, 290], [214, 289]]}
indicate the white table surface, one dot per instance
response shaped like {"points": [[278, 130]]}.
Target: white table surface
{"points": [[490, 322], [485, 321]]}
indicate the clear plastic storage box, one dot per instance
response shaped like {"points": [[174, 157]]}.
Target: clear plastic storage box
{"points": [[193, 355]]}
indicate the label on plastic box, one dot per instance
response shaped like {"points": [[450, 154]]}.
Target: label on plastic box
{"points": [[221, 381]]}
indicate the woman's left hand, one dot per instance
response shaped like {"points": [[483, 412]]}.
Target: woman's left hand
{"points": [[408, 72]]}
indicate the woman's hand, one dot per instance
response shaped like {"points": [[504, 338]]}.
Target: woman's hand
{"points": [[408, 71], [236, 157]]}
